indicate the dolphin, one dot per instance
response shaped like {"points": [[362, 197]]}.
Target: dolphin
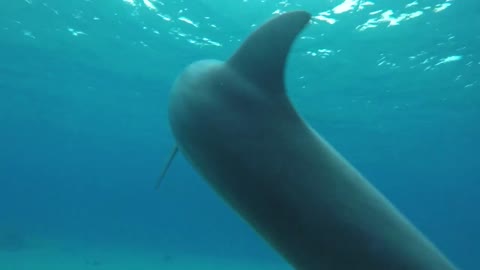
{"points": [[236, 126]]}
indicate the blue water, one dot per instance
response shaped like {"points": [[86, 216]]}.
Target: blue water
{"points": [[84, 86]]}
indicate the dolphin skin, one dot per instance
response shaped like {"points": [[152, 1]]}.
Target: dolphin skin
{"points": [[235, 124]]}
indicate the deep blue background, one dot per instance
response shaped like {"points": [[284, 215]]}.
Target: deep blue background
{"points": [[84, 133]]}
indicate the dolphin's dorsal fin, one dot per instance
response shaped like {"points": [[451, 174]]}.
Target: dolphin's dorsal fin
{"points": [[261, 58], [166, 167]]}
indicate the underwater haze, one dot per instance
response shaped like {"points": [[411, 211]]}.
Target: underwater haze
{"points": [[84, 88]]}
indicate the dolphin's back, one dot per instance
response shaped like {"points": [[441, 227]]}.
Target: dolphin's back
{"points": [[237, 127]]}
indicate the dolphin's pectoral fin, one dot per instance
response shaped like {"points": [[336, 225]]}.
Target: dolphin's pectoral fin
{"points": [[262, 57], [167, 165]]}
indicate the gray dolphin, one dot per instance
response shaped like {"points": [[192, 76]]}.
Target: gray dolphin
{"points": [[235, 124]]}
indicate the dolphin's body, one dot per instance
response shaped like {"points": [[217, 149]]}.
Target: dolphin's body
{"points": [[235, 124]]}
